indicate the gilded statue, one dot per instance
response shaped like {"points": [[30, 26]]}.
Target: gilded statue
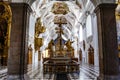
{"points": [[68, 45], [38, 30], [50, 48], [50, 45], [38, 27], [38, 43], [30, 52]]}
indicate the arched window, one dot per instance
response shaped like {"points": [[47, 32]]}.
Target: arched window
{"points": [[81, 34], [89, 26]]}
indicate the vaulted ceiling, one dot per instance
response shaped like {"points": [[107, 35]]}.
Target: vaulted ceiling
{"points": [[70, 30], [77, 8], [43, 9]]}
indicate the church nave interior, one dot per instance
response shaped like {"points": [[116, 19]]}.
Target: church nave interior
{"points": [[59, 40]]}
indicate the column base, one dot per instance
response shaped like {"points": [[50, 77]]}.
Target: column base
{"points": [[108, 77], [26, 77], [13, 77], [18, 77]]}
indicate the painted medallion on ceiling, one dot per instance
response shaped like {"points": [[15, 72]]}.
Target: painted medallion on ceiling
{"points": [[60, 8]]}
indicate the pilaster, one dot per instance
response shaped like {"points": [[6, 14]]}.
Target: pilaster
{"points": [[17, 56], [107, 42]]}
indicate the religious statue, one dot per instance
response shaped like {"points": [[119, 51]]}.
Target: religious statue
{"points": [[68, 45], [38, 27], [51, 43], [91, 55], [70, 49], [30, 54], [38, 43], [50, 48], [91, 49]]}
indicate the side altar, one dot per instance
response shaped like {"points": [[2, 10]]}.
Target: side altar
{"points": [[60, 59]]}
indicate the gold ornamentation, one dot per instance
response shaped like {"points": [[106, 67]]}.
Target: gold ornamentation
{"points": [[38, 27], [60, 20], [5, 28], [38, 43], [5, 24], [50, 45], [60, 8], [50, 48], [30, 52], [68, 45]]}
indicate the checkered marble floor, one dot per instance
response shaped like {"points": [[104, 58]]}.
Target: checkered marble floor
{"points": [[87, 72], [3, 73], [35, 73]]}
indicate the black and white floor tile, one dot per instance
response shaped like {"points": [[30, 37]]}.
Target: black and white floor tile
{"points": [[3, 73], [87, 72]]}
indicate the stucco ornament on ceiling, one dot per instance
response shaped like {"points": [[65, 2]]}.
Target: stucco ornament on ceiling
{"points": [[60, 20], [60, 8]]}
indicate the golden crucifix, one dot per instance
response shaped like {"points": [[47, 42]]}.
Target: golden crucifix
{"points": [[60, 20]]}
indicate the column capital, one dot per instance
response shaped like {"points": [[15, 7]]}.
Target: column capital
{"points": [[24, 5], [104, 6]]}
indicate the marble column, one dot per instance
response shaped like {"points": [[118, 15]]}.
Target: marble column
{"points": [[107, 42], [17, 54]]}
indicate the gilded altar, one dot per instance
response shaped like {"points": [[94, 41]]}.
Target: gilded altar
{"points": [[60, 65], [61, 60]]}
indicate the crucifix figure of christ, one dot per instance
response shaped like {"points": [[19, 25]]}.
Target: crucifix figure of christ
{"points": [[59, 22]]}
